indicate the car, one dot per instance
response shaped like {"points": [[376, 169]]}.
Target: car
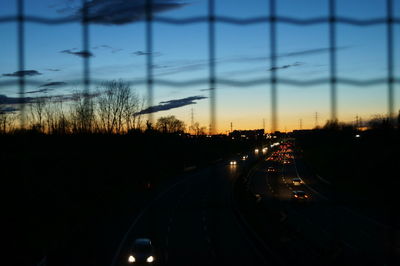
{"points": [[141, 252], [297, 181], [271, 169], [244, 157], [300, 195], [233, 163]]}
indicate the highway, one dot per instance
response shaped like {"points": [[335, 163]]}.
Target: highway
{"points": [[330, 230], [194, 223]]}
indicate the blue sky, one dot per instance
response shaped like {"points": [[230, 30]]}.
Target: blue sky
{"points": [[181, 54]]}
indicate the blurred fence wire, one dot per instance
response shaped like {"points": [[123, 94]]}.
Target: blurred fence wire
{"points": [[272, 18]]}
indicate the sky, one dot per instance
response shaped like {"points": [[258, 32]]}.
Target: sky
{"points": [[117, 49]]}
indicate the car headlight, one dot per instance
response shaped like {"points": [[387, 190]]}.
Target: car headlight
{"points": [[150, 259], [131, 259]]}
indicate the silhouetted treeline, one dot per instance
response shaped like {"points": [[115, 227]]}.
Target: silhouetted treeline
{"points": [[361, 166]]}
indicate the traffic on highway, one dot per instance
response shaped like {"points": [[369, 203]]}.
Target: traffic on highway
{"points": [[199, 218]]}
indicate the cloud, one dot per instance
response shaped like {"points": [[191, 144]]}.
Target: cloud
{"points": [[83, 54], [53, 84], [23, 73], [310, 51], [209, 89], [37, 91], [195, 65], [186, 66], [286, 66], [53, 69], [12, 100], [47, 87], [117, 12], [304, 52], [53, 98], [167, 105], [70, 97], [140, 53]]}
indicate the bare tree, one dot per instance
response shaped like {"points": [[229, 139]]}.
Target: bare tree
{"points": [[7, 119], [170, 124], [197, 129], [117, 107], [37, 113], [56, 118], [82, 113]]}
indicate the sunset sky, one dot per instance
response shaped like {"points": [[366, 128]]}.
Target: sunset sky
{"points": [[117, 41]]}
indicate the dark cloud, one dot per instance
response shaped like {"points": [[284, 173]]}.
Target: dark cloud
{"points": [[167, 105], [37, 91], [47, 87], [304, 52], [140, 53], [23, 73], [195, 65], [77, 53], [185, 67], [286, 66], [118, 12], [70, 97], [53, 98], [13, 100], [53, 84], [312, 51]]}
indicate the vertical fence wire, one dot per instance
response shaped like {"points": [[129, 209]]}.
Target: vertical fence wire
{"points": [[393, 213], [211, 65], [332, 59], [149, 57], [21, 59], [390, 60], [272, 39], [86, 54]]}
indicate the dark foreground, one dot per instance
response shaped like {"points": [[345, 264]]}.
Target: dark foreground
{"points": [[83, 200]]}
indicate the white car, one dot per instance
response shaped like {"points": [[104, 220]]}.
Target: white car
{"points": [[297, 181], [141, 253]]}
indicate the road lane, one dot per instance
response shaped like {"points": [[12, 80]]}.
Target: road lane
{"points": [[194, 223], [322, 222]]}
